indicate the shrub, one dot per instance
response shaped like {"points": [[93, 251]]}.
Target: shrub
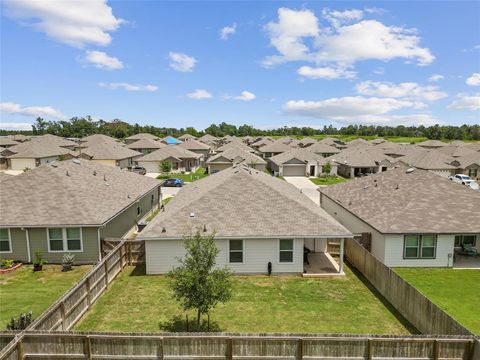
{"points": [[6, 263], [68, 259], [23, 321], [327, 168], [165, 167], [39, 260]]}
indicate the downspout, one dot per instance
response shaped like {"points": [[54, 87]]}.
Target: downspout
{"points": [[29, 254], [99, 245]]}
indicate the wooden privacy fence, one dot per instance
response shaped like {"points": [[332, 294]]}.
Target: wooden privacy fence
{"points": [[427, 317], [68, 310], [134, 249], [61, 345]]}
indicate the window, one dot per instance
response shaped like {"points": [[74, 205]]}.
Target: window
{"points": [[472, 173], [286, 250], [465, 240], [420, 247], [235, 252], [152, 200], [64, 239], [5, 244], [139, 209]]}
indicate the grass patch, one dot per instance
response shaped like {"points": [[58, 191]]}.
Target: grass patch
{"points": [[455, 291], [167, 200], [259, 304], [194, 176], [23, 290], [328, 180]]}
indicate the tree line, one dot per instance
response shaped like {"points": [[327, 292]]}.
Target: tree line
{"points": [[77, 127]]}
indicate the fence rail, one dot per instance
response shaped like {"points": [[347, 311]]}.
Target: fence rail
{"points": [[427, 317], [69, 309], [61, 345]]}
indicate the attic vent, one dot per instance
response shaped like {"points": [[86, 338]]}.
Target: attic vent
{"points": [[104, 177], [410, 170], [76, 161], [192, 214], [94, 173], [204, 228], [397, 187], [66, 173]]}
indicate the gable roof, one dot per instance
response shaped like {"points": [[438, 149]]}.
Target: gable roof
{"points": [[319, 148], [235, 145], [36, 149], [141, 136], [187, 137], [262, 142], [278, 146], [468, 160], [208, 138], [6, 141], [95, 139], [431, 143], [398, 201], [455, 151], [428, 160], [171, 151], [302, 154], [54, 140], [72, 192], [104, 150], [360, 156], [193, 144], [145, 144], [242, 202], [235, 154]]}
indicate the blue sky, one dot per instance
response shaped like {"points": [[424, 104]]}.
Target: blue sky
{"points": [[266, 64]]}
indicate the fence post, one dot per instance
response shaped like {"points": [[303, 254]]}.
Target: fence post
{"points": [[121, 257], [229, 354], [89, 295], [105, 267], [62, 313], [435, 349], [369, 349], [87, 347], [20, 355], [300, 349], [162, 351]]}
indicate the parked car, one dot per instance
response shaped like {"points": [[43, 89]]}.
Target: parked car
{"points": [[139, 170], [173, 183], [461, 179]]}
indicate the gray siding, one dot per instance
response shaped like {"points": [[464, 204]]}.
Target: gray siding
{"points": [[18, 240]]}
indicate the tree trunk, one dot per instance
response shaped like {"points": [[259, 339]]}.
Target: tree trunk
{"points": [[198, 319]]}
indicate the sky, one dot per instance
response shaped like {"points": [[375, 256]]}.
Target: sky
{"points": [[266, 64]]}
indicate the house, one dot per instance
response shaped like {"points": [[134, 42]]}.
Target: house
{"points": [[277, 147], [299, 162], [234, 145], [145, 146], [186, 137], [31, 154], [432, 160], [431, 144], [180, 159], [55, 140], [339, 144], [108, 153], [261, 142], [197, 147], [468, 165], [95, 139], [141, 136], [257, 220], [323, 149], [232, 156], [358, 142], [208, 139], [412, 217], [6, 142], [70, 207], [306, 142], [360, 160]]}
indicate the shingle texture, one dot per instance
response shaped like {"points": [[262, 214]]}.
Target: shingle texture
{"points": [[47, 196], [141, 136], [396, 201], [174, 151], [105, 150], [238, 202], [37, 149], [192, 144], [145, 144], [236, 155]]}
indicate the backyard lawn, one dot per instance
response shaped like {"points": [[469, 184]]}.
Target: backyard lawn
{"points": [[194, 176], [23, 290], [259, 304], [328, 180], [455, 291]]}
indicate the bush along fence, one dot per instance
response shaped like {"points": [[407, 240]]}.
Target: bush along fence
{"points": [[427, 317], [62, 345], [68, 310]]}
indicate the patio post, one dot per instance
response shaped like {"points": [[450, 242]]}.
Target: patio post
{"points": [[342, 247]]}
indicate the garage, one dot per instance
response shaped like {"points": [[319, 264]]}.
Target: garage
{"points": [[150, 166], [293, 170]]}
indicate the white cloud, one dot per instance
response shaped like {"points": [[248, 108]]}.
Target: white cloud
{"points": [[128, 87], [436, 77], [227, 31], [379, 70], [408, 90], [466, 102], [76, 23], [358, 109], [199, 94], [326, 73], [41, 111], [473, 80], [341, 44], [15, 126], [181, 62], [244, 96], [337, 18], [102, 60]]}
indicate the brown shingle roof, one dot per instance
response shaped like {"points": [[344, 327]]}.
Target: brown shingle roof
{"points": [[145, 144], [396, 201], [141, 136], [428, 160], [240, 202], [168, 151], [235, 154], [68, 193], [37, 149], [109, 151], [193, 144], [360, 156]]}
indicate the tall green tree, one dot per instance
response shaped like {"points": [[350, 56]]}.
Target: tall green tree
{"points": [[196, 284]]}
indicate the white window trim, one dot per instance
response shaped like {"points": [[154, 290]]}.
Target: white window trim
{"points": [[293, 252], [461, 239], [64, 239], [243, 252], [9, 243], [420, 247], [434, 248]]}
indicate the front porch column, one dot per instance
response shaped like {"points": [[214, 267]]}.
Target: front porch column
{"points": [[342, 247]]}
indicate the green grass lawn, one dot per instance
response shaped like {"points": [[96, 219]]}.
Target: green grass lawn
{"points": [[259, 304], [455, 291], [194, 176], [23, 290], [328, 180]]}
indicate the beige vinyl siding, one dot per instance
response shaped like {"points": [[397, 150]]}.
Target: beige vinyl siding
{"points": [[355, 225], [161, 256], [105, 162], [18, 241], [443, 173], [122, 223], [394, 252], [48, 160], [39, 241], [21, 164]]}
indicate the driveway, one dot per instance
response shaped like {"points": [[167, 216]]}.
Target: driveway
{"points": [[308, 188], [170, 191]]}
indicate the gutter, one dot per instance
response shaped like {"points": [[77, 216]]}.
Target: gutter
{"points": [[253, 237]]}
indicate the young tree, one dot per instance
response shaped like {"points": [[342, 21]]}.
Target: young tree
{"points": [[327, 168], [165, 167], [195, 283]]}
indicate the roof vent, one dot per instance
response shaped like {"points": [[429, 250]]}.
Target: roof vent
{"points": [[410, 170], [76, 161], [365, 187], [104, 177], [204, 228], [397, 187], [192, 214], [94, 173], [54, 165], [66, 173], [164, 230], [376, 184]]}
